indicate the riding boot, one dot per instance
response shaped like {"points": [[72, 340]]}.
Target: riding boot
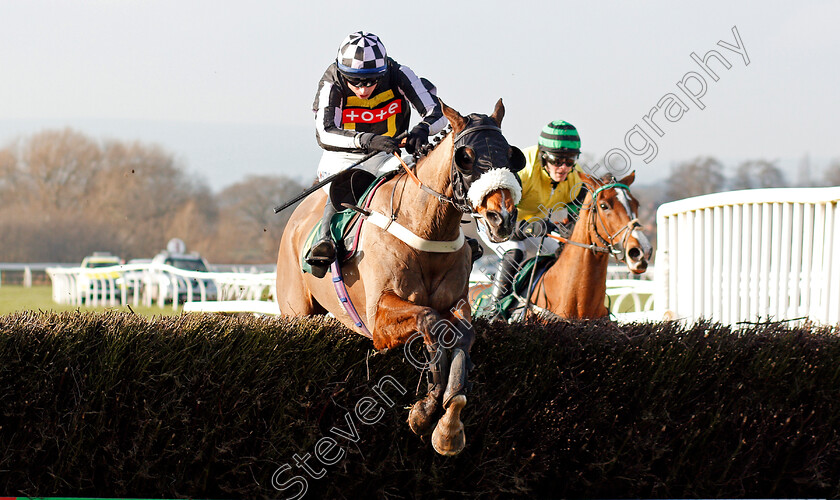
{"points": [[508, 268], [476, 251], [322, 252]]}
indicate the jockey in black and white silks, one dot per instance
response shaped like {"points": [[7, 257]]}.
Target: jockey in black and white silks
{"points": [[363, 94], [363, 102]]}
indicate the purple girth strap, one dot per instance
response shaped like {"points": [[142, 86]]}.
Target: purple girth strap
{"points": [[341, 291]]}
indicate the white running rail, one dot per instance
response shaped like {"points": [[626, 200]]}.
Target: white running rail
{"points": [[750, 256], [149, 284], [231, 292]]}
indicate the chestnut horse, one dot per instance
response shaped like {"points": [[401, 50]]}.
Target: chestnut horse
{"points": [[575, 285], [400, 288]]}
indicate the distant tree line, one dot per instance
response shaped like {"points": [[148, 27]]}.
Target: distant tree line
{"points": [[64, 195], [706, 175]]}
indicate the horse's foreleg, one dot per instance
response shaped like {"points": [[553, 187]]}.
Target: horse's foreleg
{"points": [[448, 437], [397, 322], [424, 413]]}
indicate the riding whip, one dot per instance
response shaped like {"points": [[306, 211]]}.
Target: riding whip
{"points": [[531, 279], [329, 179]]}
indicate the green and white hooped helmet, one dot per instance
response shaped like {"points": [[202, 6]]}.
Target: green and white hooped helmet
{"points": [[362, 55], [559, 138]]}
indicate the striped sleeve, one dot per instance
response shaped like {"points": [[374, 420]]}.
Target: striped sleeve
{"points": [[328, 131], [423, 97]]}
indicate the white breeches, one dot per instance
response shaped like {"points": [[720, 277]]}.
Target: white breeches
{"points": [[333, 162], [528, 245]]}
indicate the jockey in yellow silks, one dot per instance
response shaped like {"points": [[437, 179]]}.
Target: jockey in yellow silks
{"points": [[550, 185]]}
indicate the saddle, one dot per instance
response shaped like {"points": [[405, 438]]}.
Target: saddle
{"points": [[352, 187]]}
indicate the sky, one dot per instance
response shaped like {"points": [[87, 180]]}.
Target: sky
{"points": [[227, 87]]}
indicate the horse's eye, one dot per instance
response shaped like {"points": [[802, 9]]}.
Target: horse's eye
{"points": [[604, 206]]}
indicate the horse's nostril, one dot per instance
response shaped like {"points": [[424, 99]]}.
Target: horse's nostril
{"points": [[494, 217], [634, 253], [511, 219]]}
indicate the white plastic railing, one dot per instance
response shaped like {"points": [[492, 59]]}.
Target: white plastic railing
{"points": [[28, 271], [632, 300], [148, 284], [748, 256], [630, 297]]}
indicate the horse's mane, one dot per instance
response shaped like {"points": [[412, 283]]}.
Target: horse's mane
{"points": [[434, 142]]}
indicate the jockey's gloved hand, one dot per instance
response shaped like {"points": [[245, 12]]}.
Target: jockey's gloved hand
{"points": [[566, 227], [520, 231], [372, 142], [551, 227], [418, 136], [534, 228]]}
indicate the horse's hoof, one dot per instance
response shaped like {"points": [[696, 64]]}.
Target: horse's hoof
{"points": [[448, 439], [421, 418]]}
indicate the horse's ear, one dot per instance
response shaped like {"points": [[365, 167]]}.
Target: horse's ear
{"points": [[458, 122], [629, 178], [465, 159], [498, 112], [517, 159], [587, 178]]}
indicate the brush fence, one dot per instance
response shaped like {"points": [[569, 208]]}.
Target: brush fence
{"points": [[749, 256]]}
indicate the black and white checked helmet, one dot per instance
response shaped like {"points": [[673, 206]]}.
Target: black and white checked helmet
{"points": [[362, 55]]}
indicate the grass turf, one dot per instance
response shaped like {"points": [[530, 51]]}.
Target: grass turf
{"points": [[15, 298]]}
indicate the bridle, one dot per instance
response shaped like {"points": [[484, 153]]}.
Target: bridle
{"points": [[613, 244], [609, 244], [459, 181], [617, 249], [442, 198]]}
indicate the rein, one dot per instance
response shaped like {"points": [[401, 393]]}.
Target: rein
{"points": [[440, 196], [593, 247], [609, 245], [389, 224]]}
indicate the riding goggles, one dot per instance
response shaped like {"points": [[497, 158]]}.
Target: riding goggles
{"points": [[362, 82], [557, 160]]}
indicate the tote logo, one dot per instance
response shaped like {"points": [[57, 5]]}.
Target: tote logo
{"points": [[357, 115]]}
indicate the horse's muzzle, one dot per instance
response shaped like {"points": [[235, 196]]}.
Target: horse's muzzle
{"points": [[637, 261], [500, 224], [639, 253]]}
